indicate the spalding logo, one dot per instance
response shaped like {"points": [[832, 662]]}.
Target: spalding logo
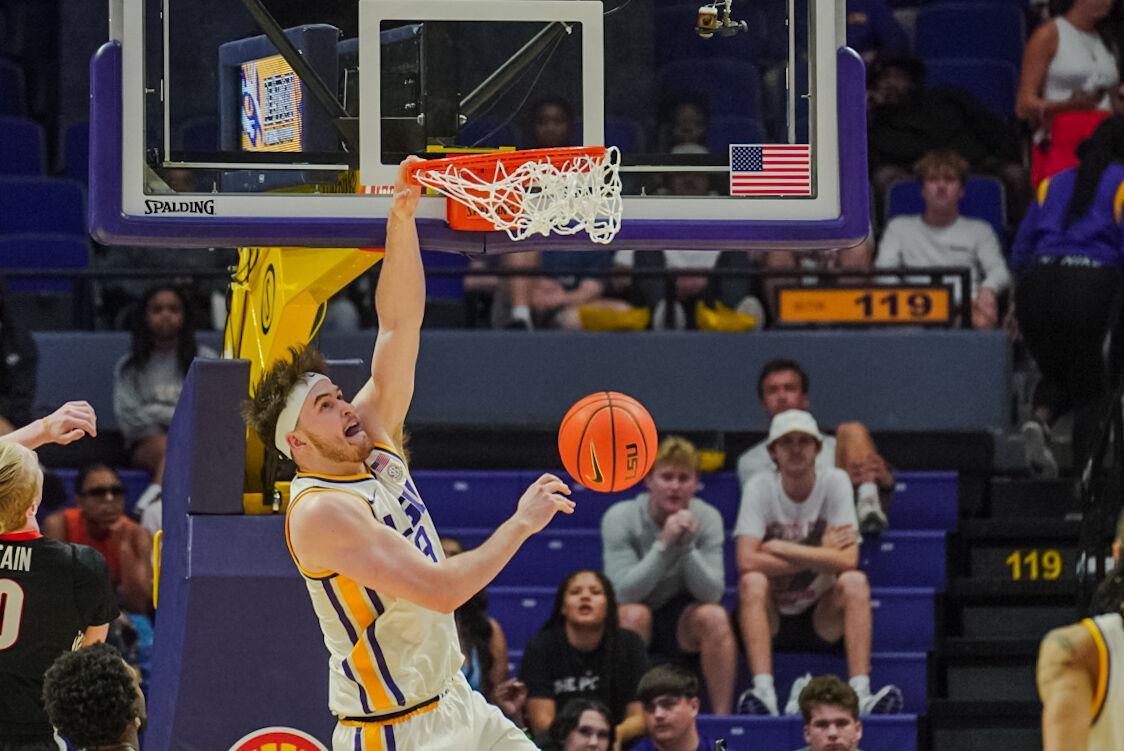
{"points": [[277, 739]]}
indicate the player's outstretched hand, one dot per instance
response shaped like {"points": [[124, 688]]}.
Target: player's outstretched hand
{"points": [[70, 422], [542, 500], [510, 696], [406, 191]]}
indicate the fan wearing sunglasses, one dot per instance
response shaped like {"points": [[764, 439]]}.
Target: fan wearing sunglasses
{"points": [[98, 520]]}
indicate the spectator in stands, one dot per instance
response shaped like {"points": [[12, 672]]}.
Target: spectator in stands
{"points": [[1118, 542], [1069, 81], [872, 29], [670, 695], [797, 556], [906, 119], [1067, 262], [663, 553], [831, 715], [582, 725], [942, 237], [685, 121], [485, 650], [94, 699], [551, 126], [99, 521], [18, 360], [147, 381], [582, 652], [55, 596], [783, 385]]}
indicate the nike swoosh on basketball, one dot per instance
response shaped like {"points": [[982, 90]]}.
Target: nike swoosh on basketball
{"points": [[597, 476]]}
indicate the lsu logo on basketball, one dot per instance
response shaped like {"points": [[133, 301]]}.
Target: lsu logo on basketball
{"points": [[631, 459], [277, 739]]}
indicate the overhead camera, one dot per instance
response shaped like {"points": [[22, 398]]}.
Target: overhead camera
{"points": [[709, 23]]}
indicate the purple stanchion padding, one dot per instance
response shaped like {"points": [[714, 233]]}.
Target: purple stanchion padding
{"points": [[110, 225], [237, 646], [903, 616], [895, 559], [484, 498], [880, 733]]}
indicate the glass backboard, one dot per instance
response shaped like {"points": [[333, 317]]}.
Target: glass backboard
{"points": [[259, 122]]}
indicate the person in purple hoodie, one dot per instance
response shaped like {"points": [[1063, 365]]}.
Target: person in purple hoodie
{"points": [[1067, 260]]}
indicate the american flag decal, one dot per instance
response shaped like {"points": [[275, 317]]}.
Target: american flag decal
{"points": [[770, 170]]}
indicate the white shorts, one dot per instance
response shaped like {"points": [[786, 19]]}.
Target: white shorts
{"points": [[462, 720]]}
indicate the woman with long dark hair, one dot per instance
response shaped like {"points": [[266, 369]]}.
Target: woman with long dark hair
{"points": [[582, 652], [1067, 260], [582, 725], [147, 381], [1069, 80]]}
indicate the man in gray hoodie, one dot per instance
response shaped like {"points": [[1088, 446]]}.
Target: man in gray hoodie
{"points": [[663, 553]]}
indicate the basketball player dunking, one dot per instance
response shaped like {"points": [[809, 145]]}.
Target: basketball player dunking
{"points": [[1081, 677], [365, 544]]}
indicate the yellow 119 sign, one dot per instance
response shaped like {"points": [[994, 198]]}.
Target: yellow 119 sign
{"points": [[865, 305]]}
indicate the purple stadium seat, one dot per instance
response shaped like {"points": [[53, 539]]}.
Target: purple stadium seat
{"points": [[731, 86], [880, 733], [42, 205], [993, 82], [896, 559], [990, 30], [13, 91], [903, 617], [23, 150], [484, 498], [43, 251], [76, 152], [984, 198]]}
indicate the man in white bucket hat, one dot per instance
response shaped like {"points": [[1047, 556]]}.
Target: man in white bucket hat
{"points": [[799, 587]]}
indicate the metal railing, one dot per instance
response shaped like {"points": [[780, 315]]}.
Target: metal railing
{"points": [[88, 283]]}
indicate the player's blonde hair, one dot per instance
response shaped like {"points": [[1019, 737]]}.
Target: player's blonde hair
{"points": [[20, 479], [679, 452]]}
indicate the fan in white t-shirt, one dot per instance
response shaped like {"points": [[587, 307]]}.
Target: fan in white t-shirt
{"points": [[942, 237], [799, 587]]}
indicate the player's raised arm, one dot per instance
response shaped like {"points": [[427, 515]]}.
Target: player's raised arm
{"points": [[400, 305], [66, 424], [1066, 673], [332, 531]]}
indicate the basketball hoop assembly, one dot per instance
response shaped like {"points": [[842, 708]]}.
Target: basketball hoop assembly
{"points": [[535, 191]]}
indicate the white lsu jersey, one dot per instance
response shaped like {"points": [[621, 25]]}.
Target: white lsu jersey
{"points": [[1107, 730], [386, 654]]}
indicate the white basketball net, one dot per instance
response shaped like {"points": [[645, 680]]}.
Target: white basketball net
{"points": [[565, 195]]}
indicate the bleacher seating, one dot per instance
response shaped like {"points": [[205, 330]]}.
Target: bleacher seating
{"points": [[484, 498], [13, 91], [43, 251], [993, 82], [42, 204], [727, 129], [23, 150], [991, 30], [984, 198], [76, 153], [730, 86], [880, 732]]}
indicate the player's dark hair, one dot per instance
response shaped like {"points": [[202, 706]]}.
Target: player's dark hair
{"points": [[261, 412], [89, 696], [568, 718], [612, 634], [828, 689], [1109, 597], [612, 622], [667, 680], [143, 344], [89, 469], [779, 365]]}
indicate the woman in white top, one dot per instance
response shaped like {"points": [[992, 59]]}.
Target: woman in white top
{"points": [[1070, 82]]}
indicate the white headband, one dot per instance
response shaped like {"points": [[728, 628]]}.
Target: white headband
{"points": [[287, 420]]}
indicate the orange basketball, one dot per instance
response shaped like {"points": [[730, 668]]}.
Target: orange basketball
{"points": [[607, 441]]}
